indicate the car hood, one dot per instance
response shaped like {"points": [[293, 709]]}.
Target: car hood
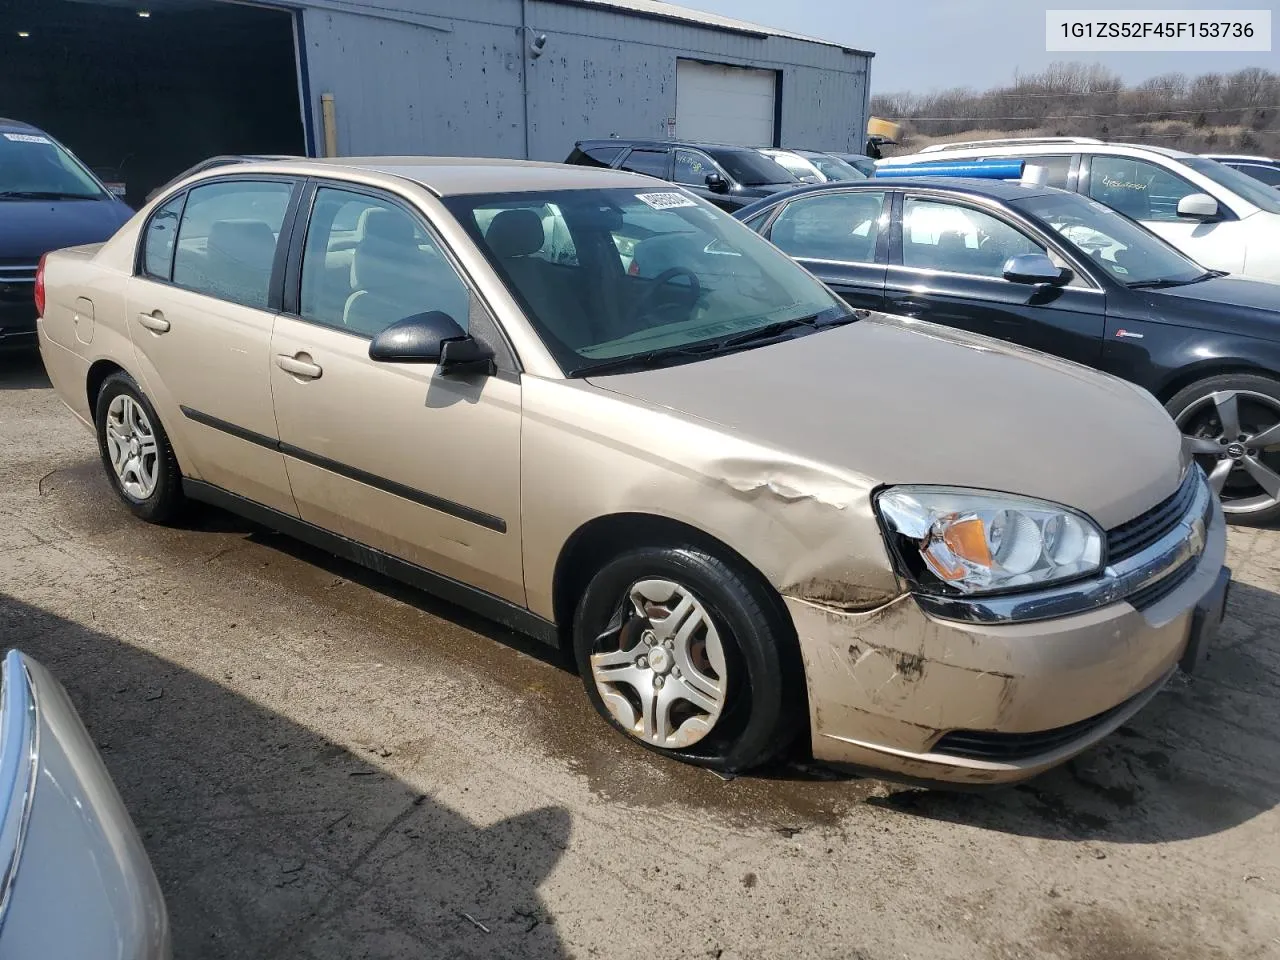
{"points": [[766, 189], [903, 401], [31, 228], [1260, 295]]}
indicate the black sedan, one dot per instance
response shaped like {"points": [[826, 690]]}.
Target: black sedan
{"points": [[1058, 272]]}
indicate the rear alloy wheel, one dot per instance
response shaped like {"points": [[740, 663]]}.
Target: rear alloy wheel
{"points": [[135, 451], [1231, 426], [695, 660]]}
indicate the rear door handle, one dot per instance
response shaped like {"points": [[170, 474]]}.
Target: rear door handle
{"points": [[299, 365], [154, 321]]}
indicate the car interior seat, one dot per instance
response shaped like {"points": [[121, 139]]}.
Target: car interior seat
{"points": [[238, 259], [392, 277], [515, 237]]}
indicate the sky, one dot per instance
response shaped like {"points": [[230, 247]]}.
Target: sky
{"points": [[924, 45]]}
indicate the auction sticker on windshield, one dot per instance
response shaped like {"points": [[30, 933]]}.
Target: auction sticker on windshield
{"points": [[25, 138], [665, 201]]}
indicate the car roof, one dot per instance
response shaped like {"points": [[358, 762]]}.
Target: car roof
{"points": [[1240, 156], [17, 126], [621, 142], [452, 176], [1003, 190], [1037, 147]]}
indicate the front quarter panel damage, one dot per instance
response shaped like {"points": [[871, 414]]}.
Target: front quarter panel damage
{"points": [[807, 527]]}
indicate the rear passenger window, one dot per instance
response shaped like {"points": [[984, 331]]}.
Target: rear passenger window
{"points": [[227, 241], [838, 226], [594, 156], [1136, 188], [369, 263], [161, 238], [1057, 167], [652, 163]]}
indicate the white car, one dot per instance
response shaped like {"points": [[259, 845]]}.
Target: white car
{"points": [[1217, 215]]}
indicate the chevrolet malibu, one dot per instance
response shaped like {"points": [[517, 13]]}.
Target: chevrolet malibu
{"points": [[599, 410]]}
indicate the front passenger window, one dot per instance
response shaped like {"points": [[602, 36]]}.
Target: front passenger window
{"points": [[369, 263], [227, 241], [951, 238]]}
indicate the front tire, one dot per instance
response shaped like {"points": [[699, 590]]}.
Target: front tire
{"points": [[681, 652], [135, 451], [1231, 425]]}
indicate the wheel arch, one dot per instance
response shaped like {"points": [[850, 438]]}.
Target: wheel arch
{"points": [[96, 377], [1206, 369], [602, 538]]}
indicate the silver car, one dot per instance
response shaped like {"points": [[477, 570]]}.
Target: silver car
{"points": [[75, 882]]}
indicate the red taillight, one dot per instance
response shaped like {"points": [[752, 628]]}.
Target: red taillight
{"points": [[40, 286]]}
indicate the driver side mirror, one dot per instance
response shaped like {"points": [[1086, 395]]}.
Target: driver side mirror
{"points": [[432, 337], [1198, 206], [717, 183], [1036, 269]]}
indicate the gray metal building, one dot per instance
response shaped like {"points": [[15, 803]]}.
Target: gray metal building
{"points": [[146, 87]]}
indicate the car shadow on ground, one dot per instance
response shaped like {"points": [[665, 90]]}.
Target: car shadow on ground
{"points": [[22, 370], [1203, 757], [271, 841]]}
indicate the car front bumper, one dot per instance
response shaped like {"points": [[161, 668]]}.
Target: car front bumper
{"points": [[910, 695]]}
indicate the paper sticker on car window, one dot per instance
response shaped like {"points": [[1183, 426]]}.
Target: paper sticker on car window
{"points": [[26, 138], [665, 201]]}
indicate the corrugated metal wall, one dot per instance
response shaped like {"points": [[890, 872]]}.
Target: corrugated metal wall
{"points": [[422, 76]]}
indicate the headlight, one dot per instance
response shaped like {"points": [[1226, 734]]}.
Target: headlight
{"points": [[948, 540]]}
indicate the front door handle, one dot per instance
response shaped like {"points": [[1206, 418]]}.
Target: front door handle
{"points": [[299, 365], [154, 321]]}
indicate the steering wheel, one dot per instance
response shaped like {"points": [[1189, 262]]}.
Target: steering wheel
{"points": [[642, 305]]}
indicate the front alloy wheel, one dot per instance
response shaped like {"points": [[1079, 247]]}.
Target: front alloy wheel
{"points": [[1234, 434]]}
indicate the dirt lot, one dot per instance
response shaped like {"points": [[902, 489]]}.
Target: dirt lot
{"points": [[326, 765]]}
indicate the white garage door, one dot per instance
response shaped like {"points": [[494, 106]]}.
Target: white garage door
{"points": [[724, 104]]}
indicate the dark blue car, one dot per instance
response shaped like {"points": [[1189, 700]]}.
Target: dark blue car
{"points": [[48, 200], [1060, 273]]}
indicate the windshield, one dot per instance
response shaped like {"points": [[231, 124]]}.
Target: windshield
{"points": [[32, 165], [751, 169], [1255, 191], [605, 275], [797, 166], [1113, 241], [833, 168]]}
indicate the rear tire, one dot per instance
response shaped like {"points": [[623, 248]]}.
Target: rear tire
{"points": [[1228, 422], [135, 451], [708, 674]]}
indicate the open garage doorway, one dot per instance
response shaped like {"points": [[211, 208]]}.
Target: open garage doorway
{"points": [[142, 89]]}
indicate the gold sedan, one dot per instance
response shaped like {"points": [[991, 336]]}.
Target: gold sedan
{"points": [[601, 411]]}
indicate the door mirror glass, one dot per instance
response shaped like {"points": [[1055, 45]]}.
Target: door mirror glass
{"points": [[1198, 206], [717, 183], [1035, 268]]}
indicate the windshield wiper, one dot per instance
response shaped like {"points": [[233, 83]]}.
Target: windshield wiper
{"points": [[45, 195], [1162, 282], [772, 330], [642, 361], [769, 332]]}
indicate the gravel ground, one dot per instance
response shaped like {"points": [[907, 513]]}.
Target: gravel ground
{"points": [[324, 764]]}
